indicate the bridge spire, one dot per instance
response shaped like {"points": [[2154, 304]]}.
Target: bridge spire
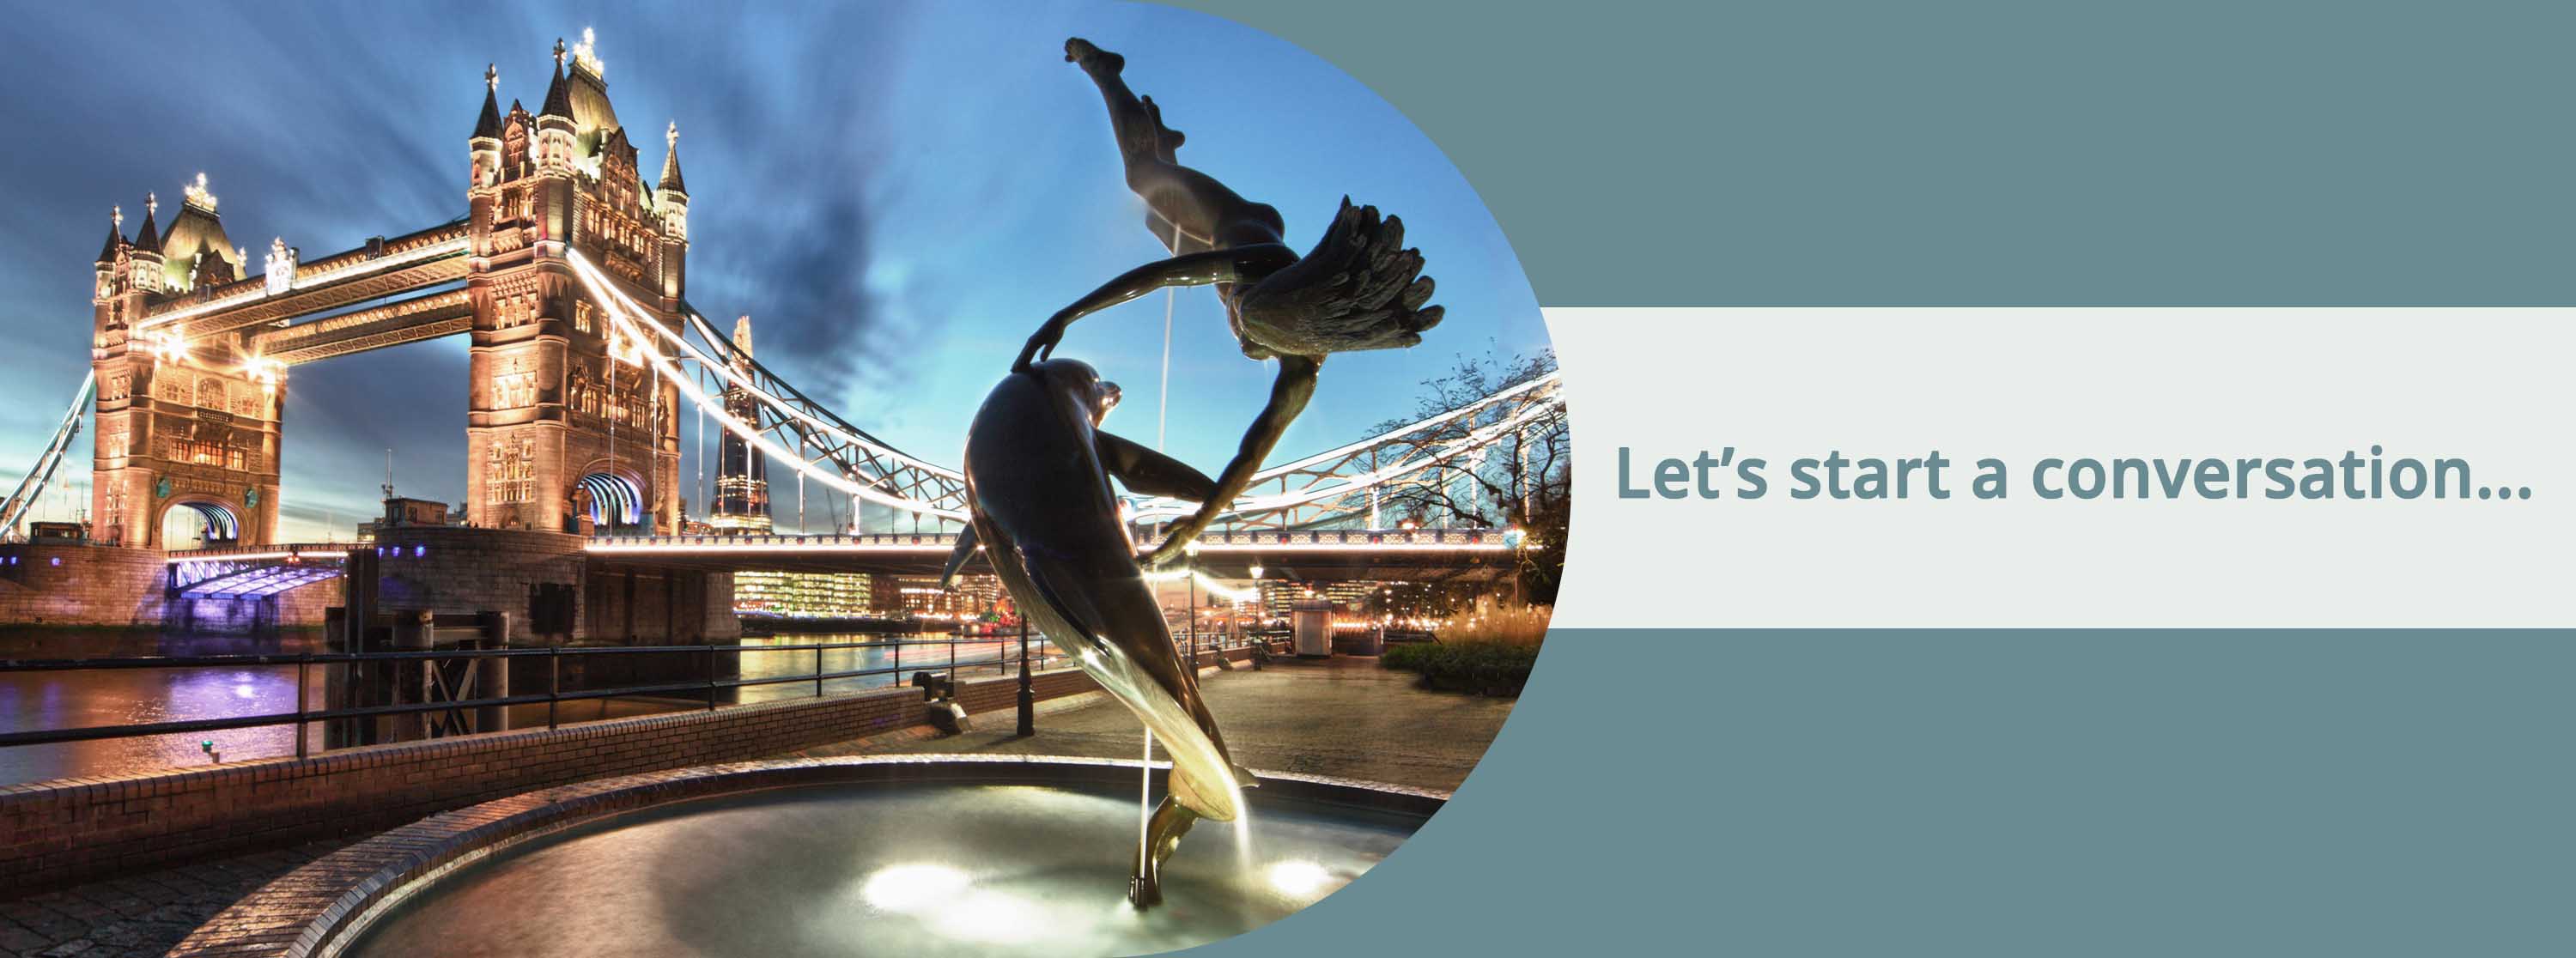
{"points": [[115, 234], [488, 126], [149, 240], [558, 99], [671, 181]]}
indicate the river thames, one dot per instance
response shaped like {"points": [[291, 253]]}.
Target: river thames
{"points": [[88, 698]]}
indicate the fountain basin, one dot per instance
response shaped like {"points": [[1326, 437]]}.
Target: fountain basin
{"points": [[911, 855]]}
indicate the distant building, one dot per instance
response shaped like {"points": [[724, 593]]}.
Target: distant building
{"points": [[920, 597], [1278, 599], [400, 511], [415, 512], [742, 473], [741, 507], [71, 532], [804, 594]]}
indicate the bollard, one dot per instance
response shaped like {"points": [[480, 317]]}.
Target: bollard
{"points": [[492, 673], [302, 677], [554, 682], [1028, 690]]}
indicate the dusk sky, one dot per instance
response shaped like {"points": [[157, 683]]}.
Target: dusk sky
{"points": [[897, 193]]}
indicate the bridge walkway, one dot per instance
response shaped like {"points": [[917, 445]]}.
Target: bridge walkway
{"points": [[257, 582]]}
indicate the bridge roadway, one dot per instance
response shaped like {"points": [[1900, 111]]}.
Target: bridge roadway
{"points": [[1418, 555]]}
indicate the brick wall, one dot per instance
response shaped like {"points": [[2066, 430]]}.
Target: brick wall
{"points": [[80, 585], [467, 569], [55, 833], [645, 604], [463, 569], [302, 606]]}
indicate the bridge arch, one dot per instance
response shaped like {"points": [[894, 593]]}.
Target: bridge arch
{"points": [[608, 500], [218, 521]]}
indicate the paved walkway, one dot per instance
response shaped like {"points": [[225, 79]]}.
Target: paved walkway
{"points": [[1346, 718], [142, 915], [1342, 717]]}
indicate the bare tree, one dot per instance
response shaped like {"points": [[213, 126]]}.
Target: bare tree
{"points": [[1519, 478]]}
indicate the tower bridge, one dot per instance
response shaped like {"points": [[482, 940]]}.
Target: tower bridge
{"points": [[1313, 555], [192, 347], [567, 273]]}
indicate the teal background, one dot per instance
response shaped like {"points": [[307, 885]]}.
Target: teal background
{"points": [[1991, 793], [2028, 792], [2044, 152]]}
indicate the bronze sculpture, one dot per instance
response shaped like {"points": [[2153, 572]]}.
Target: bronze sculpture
{"points": [[1037, 473], [1358, 289]]}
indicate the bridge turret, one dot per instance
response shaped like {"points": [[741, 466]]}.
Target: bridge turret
{"points": [[557, 141], [107, 259], [672, 196], [671, 201], [145, 271], [485, 144], [115, 236]]}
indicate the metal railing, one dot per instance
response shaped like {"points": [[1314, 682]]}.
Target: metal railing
{"points": [[708, 683]]}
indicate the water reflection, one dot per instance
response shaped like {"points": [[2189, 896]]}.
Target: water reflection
{"points": [[55, 700], [80, 699]]}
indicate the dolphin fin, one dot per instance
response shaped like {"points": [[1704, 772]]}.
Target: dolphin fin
{"points": [[957, 557], [1145, 471], [1074, 605]]}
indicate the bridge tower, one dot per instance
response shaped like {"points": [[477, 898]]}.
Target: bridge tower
{"points": [[182, 422], [567, 429]]}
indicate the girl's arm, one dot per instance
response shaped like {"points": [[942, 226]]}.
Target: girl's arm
{"points": [[1190, 269]]}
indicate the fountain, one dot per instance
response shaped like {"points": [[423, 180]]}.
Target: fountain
{"points": [[945, 856], [957, 855]]}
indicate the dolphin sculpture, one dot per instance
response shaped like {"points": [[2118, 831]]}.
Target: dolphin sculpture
{"points": [[1037, 473]]}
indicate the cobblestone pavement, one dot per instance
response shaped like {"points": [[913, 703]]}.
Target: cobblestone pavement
{"points": [[140, 915], [1341, 717]]}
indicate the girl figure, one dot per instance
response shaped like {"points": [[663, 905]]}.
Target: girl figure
{"points": [[1358, 289]]}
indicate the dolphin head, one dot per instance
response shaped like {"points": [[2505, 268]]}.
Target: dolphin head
{"points": [[1081, 385]]}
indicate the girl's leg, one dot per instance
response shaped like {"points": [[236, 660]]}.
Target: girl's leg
{"points": [[1143, 140], [1145, 147]]}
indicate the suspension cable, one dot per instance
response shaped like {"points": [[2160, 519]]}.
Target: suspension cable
{"points": [[31, 489], [749, 433]]}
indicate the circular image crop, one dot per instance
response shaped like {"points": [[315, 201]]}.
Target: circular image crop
{"points": [[1086, 381]]}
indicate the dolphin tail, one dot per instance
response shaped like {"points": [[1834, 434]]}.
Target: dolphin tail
{"points": [[957, 557], [1193, 794], [1196, 795]]}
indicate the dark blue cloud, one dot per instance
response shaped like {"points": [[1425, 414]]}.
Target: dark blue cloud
{"points": [[896, 192]]}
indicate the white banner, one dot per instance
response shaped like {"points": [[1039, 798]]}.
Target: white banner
{"points": [[2488, 388]]}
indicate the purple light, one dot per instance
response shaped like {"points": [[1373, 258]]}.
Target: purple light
{"points": [[419, 551], [58, 560]]}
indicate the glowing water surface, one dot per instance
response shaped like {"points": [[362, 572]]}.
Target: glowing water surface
{"points": [[905, 869]]}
